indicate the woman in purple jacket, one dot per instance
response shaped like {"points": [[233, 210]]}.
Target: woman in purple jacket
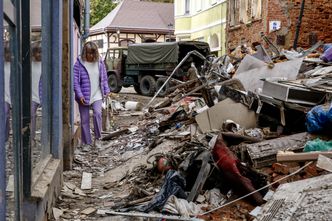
{"points": [[90, 86]]}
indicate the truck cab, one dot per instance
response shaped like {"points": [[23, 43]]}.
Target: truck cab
{"points": [[115, 66], [146, 66]]}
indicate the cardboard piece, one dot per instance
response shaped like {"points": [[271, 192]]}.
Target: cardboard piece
{"points": [[214, 117]]}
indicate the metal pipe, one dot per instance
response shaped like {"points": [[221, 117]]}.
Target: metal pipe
{"points": [[16, 96], [298, 25], [56, 79], [26, 100], [2, 129], [46, 75], [175, 69], [153, 216], [71, 39]]}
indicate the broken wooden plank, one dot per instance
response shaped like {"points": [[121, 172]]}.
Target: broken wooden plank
{"points": [[115, 134], [147, 193], [183, 84], [297, 157], [214, 117], [155, 143], [86, 181], [133, 202], [88, 211]]}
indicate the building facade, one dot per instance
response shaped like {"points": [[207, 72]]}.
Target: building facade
{"points": [[278, 20], [134, 22], [203, 20]]}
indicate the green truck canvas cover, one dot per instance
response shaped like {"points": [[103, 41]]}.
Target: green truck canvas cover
{"points": [[167, 52]]}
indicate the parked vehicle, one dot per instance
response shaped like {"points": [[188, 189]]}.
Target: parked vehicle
{"points": [[147, 65]]}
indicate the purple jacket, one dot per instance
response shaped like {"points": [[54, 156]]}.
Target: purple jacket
{"points": [[82, 85]]}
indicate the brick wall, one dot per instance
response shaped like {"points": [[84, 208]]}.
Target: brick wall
{"points": [[316, 21]]}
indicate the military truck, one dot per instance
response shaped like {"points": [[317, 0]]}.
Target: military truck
{"points": [[146, 66]]}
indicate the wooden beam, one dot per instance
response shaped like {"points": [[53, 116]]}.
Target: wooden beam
{"points": [[115, 134], [296, 157], [68, 150]]}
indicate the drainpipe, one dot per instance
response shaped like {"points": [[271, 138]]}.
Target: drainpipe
{"points": [[86, 19], [298, 25]]}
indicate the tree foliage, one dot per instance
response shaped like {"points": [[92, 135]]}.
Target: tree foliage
{"points": [[99, 9]]}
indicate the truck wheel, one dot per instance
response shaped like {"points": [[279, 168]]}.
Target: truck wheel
{"points": [[114, 83], [148, 85], [137, 88], [164, 91]]}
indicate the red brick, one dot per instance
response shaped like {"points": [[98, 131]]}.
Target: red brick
{"points": [[280, 168], [311, 170], [316, 18]]}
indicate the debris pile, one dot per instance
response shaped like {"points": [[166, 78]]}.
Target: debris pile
{"points": [[237, 134]]}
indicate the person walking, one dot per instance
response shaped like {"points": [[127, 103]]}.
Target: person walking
{"points": [[91, 87]]}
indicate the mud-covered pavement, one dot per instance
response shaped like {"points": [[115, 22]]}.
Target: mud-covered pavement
{"points": [[77, 204]]}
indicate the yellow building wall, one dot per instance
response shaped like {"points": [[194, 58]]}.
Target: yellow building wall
{"points": [[183, 24], [202, 25]]}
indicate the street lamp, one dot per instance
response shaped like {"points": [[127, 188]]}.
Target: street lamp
{"points": [[118, 35], [170, 27]]}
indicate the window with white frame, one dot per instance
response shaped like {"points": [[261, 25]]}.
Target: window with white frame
{"points": [[198, 5], [244, 6], [256, 9], [233, 12], [187, 7], [243, 11]]}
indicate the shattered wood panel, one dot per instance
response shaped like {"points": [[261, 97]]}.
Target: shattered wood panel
{"points": [[264, 153], [308, 199], [214, 117]]}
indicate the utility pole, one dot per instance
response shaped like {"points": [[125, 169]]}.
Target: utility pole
{"points": [[298, 25]]}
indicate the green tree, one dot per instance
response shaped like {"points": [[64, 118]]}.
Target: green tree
{"points": [[99, 9]]}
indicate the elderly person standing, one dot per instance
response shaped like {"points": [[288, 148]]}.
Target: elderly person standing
{"points": [[90, 86]]}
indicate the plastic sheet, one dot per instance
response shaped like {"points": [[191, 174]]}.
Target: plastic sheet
{"points": [[181, 207], [319, 119], [327, 55], [174, 184], [318, 145]]}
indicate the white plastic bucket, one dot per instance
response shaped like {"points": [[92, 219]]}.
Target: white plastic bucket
{"points": [[133, 105]]}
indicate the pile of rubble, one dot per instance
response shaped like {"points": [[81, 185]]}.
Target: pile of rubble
{"points": [[246, 137]]}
